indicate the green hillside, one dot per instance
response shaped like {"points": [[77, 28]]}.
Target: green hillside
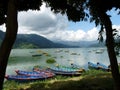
{"points": [[33, 41]]}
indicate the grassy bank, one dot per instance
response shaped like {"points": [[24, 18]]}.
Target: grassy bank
{"points": [[90, 80]]}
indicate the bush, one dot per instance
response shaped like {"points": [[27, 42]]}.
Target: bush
{"points": [[51, 60]]}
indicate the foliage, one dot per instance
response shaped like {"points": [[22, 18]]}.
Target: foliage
{"points": [[50, 60], [116, 41], [74, 9], [116, 37], [100, 37], [81, 10]]}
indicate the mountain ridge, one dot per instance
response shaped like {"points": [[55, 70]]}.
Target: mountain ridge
{"points": [[37, 41], [34, 41], [81, 44]]}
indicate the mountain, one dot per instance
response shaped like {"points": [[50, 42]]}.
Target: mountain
{"points": [[37, 41], [83, 43], [34, 41]]}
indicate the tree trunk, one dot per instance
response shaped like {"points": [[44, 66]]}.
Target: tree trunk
{"points": [[110, 48], [10, 36]]}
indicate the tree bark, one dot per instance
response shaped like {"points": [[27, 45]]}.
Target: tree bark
{"points": [[9, 39], [110, 48]]}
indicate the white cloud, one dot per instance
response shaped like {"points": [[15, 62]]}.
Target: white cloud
{"points": [[116, 27], [52, 26], [70, 35], [42, 22], [92, 34]]}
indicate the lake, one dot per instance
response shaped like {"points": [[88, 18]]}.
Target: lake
{"points": [[23, 59]]}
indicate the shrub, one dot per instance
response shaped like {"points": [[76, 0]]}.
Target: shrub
{"points": [[50, 60]]}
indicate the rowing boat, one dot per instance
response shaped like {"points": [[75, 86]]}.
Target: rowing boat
{"points": [[23, 78], [44, 74]]}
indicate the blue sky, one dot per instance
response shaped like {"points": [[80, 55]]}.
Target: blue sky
{"points": [[81, 25], [57, 27], [114, 17]]}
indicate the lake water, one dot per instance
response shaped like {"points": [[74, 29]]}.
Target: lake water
{"points": [[22, 59]]}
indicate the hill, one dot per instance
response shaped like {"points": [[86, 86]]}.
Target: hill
{"points": [[34, 41], [37, 41]]}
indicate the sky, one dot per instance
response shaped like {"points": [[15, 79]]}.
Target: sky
{"points": [[56, 27]]}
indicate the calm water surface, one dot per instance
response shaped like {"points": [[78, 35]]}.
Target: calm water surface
{"points": [[22, 58]]}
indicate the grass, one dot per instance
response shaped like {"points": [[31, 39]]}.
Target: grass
{"points": [[90, 80]]}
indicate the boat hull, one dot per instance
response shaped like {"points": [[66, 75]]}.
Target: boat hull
{"points": [[62, 70], [44, 74], [98, 66], [22, 78]]}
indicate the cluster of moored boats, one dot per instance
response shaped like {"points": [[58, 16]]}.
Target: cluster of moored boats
{"points": [[27, 76], [39, 73]]}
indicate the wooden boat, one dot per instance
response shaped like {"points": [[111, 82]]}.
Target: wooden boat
{"points": [[92, 66], [23, 78], [36, 55], [67, 73], [62, 70], [44, 74]]}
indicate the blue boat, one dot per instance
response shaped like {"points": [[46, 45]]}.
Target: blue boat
{"points": [[61, 70], [75, 66], [92, 66], [98, 66], [64, 69], [44, 74], [103, 67], [23, 78], [67, 73]]}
